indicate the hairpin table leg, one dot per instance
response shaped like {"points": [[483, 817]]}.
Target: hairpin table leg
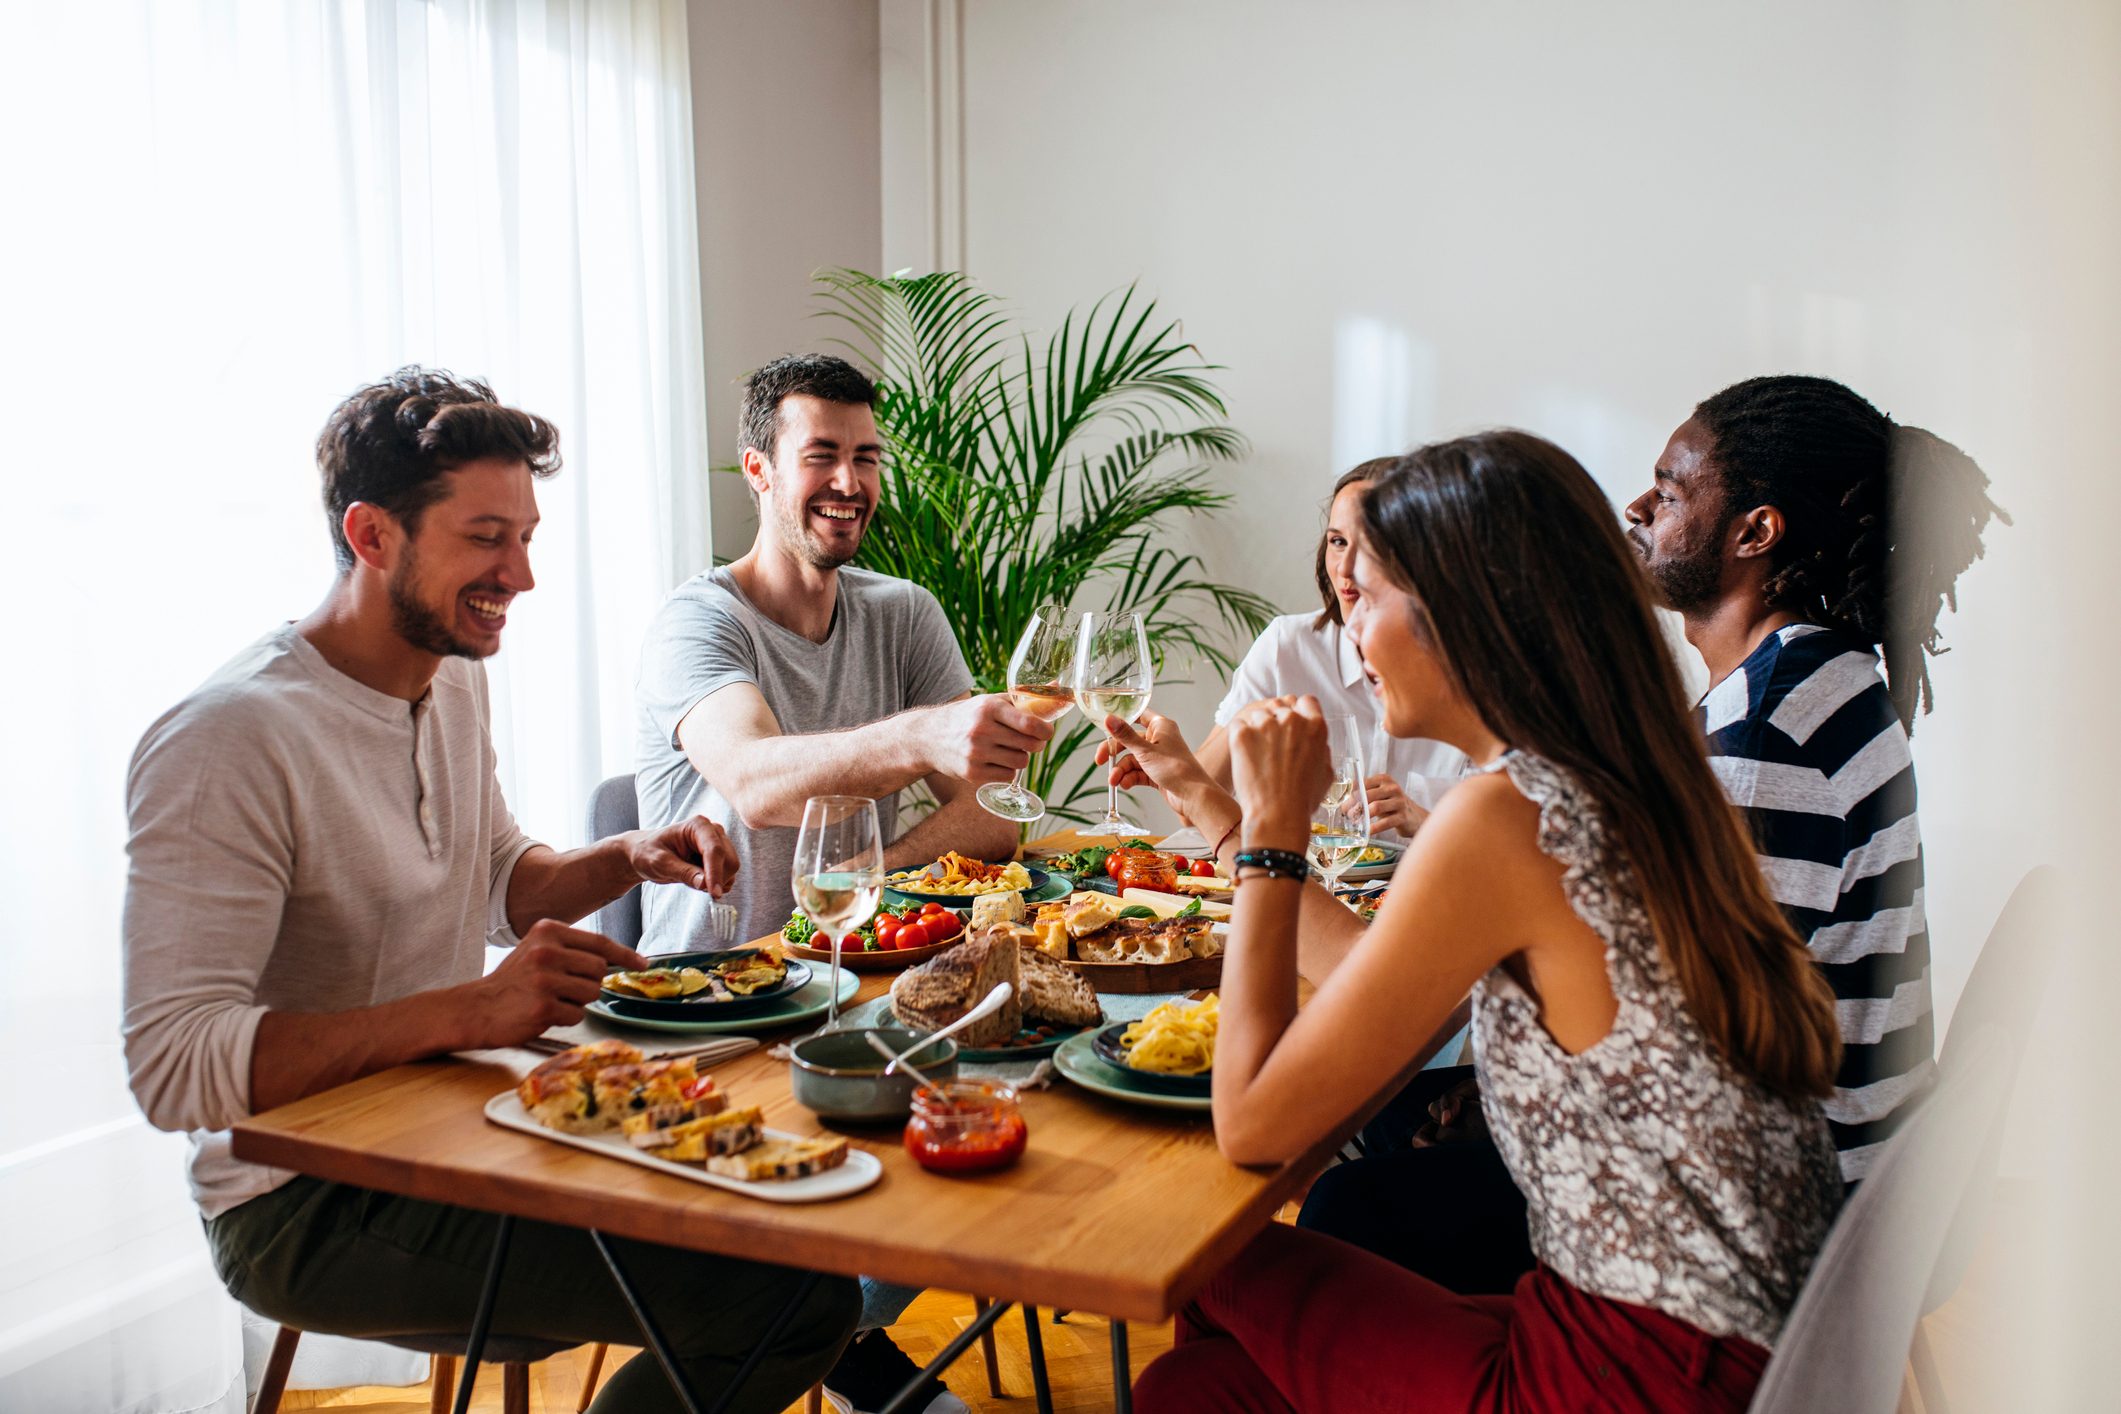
{"points": [[482, 1314]]}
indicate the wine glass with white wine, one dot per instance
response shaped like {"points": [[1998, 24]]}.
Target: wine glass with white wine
{"points": [[1038, 684], [838, 874], [1113, 678], [1340, 826]]}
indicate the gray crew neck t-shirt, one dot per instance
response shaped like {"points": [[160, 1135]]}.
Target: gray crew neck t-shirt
{"points": [[890, 649]]}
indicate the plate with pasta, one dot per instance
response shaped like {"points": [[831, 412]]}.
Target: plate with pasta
{"points": [[958, 879], [1170, 1049], [1078, 1061]]}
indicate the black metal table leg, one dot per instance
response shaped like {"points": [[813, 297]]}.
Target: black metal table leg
{"points": [[947, 1356], [1041, 1387], [1122, 1372], [482, 1314]]}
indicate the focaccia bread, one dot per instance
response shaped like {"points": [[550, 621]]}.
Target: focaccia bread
{"points": [[559, 1093], [1153, 940], [783, 1158], [932, 994], [1086, 913], [628, 1089], [698, 1106], [703, 1138], [561, 1100]]}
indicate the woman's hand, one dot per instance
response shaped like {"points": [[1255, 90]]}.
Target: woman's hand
{"points": [[1154, 754], [1391, 808], [1281, 768]]}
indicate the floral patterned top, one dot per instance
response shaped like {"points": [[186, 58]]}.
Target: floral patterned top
{"points": [[1654, 1173]]}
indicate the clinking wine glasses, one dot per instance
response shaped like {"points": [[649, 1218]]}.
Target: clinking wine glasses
{"points": [[838, 873], [1113, 678], [1038, 684]]}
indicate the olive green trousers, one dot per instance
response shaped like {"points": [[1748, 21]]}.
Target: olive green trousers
{"points": [[349, 1261]]}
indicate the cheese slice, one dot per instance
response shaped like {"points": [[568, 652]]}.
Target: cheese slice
{"points": [[1005, 907], [1188, 884], [1165, 905]]}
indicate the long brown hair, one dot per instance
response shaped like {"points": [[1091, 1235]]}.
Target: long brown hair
{"points": [[1368, 471], [1543, 618]]}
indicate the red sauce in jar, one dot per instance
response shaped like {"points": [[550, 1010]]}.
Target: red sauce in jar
{"points": [[972, 1126], [1145, 869]]}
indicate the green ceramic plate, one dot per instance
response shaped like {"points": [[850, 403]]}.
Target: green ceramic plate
{"points": [[1077, 1059], [800, 1005], [1382, 869], [1045, 887]]}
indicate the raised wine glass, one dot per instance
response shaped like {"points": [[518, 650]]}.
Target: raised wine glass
{"points": [[1113, 678], [838, 874], [1038, 684], [1340, 826]]}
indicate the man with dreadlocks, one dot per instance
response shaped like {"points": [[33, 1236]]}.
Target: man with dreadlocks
{"points": [[1801, 533]]}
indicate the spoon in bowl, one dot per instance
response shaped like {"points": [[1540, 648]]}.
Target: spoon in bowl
{"points": [[988, 1005]]}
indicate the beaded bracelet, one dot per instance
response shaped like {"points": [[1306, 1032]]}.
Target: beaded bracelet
{"points": [[1273, 864]]}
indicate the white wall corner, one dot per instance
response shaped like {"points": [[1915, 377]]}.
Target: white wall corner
{"points": [[921, 104]]}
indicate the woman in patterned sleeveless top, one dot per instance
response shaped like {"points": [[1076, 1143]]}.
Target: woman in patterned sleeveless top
{"points": [[1652, 1040]]}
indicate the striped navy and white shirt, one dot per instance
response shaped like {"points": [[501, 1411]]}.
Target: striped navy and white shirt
{"points": [[1807, 744]]}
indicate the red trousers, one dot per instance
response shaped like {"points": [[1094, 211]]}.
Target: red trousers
{"points": [[1305, 1322]]}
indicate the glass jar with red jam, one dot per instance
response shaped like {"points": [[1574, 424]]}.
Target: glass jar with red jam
{"points": [[966, 1126], [1144, 869]]}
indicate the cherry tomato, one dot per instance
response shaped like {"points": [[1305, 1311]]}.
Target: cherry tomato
{"points": [[1203, 868], [1112, 863], [913, 935], [942, 927], [931, 909], [887, 916], [887, 930]]}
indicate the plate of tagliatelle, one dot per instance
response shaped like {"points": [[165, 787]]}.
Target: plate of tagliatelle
{"points": [[1170, 1051]]}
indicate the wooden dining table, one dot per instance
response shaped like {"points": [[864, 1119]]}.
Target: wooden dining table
{"points": [[1115, 1209]]}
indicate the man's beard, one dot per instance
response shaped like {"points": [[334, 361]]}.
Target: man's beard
{"points": [[421, 626], [796, 536], [1683, 582]]}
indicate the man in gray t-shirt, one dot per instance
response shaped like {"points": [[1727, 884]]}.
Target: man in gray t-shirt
{"points": [[783, 675]]}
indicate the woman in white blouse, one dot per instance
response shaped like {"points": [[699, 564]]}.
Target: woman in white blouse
{"points": [[1313, 653]]}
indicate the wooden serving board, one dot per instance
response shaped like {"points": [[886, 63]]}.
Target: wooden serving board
{"points": [[860, 960], [1189, 975]]}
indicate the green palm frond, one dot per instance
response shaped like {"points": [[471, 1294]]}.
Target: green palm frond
{"points": [[1020, 475]]}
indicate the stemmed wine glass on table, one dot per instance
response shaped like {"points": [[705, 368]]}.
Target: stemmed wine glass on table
{"points": [[1113, 677], [838, 874], [1340, 826], [1038, 684]]}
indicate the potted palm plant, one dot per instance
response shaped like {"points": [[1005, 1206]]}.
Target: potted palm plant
{"points": [[1018, 476]]}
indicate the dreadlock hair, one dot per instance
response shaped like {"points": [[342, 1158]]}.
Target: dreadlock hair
{"points": [[1880, 519]]}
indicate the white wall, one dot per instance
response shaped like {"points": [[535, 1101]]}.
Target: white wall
{"points": [[785, 121], [1395, 222], [1400, 221]]}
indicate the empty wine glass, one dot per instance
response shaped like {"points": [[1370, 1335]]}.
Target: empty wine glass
{"points": [[1038, 684], [838, 874], [1340, 826], [1113, 678]]}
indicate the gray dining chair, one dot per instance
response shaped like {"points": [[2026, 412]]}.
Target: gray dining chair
{"points": [[615, 809], [1847, 1341]]}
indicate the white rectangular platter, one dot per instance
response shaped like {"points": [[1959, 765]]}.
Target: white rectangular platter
{"points": [[860, 1171]]}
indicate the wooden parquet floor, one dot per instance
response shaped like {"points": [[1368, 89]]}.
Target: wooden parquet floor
{"points": [[1078, 1360]]}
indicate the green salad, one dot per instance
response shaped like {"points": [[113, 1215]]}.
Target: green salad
{"points": [[800, 932]]}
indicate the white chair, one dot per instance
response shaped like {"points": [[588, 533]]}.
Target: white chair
{"points": [[1845, 1346]]}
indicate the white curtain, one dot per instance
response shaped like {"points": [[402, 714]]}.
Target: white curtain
{"points": [[222, 217]]}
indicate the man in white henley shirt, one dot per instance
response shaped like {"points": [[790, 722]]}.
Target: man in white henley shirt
{"points": [[320, 854]]}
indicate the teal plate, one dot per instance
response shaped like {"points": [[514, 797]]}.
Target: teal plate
{"points": [[800, 1005], [1382, 869], [1077, 1059], [1046, 886]]}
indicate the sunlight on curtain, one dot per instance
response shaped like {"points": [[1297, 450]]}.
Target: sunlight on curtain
{"points": [[225, 216]]}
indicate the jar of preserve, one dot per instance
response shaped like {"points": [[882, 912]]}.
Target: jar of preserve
{"points": [[1144, 869], [966, 1126]]}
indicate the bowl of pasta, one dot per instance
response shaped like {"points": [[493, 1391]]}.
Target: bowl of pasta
{"points": [[957, 879], [1172, 1049]]}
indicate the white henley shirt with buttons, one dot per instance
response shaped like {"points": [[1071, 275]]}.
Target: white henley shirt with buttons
{"points": [[299, 843]]}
